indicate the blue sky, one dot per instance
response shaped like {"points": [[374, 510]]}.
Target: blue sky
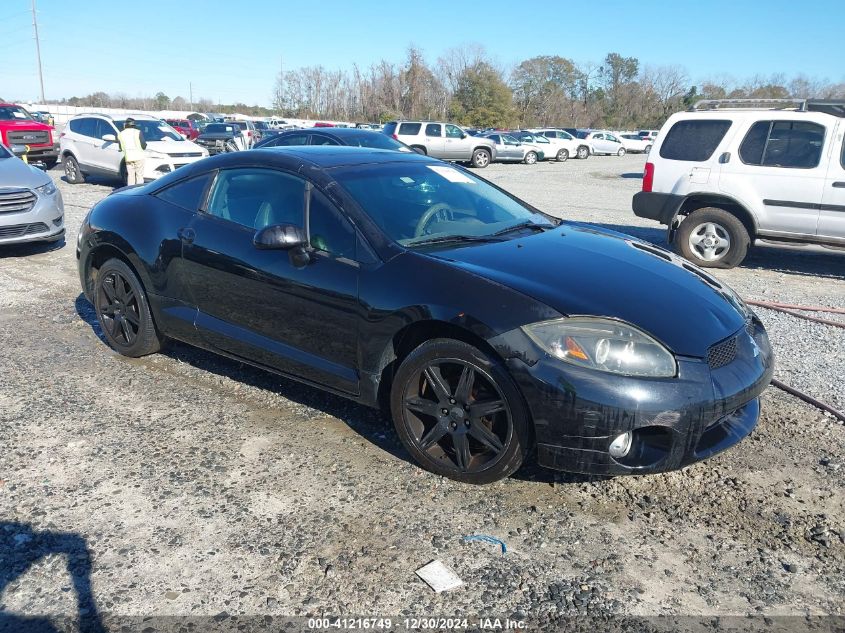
{"points": [[232, 52]]}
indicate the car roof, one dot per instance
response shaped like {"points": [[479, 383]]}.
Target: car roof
{"points": [[328, 156]]}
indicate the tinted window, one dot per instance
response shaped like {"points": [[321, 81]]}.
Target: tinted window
{"points": [[86, 126], [102, 128], [412, 201], [219, 128], [186, 194], [330, 231], [495, 138], [783, 144], [319, 139], [410, 128], [509, 140], [694, 140], [549, 134], [433, 129], [287, 139], [256, 198], [376, 140], [453, 131]]}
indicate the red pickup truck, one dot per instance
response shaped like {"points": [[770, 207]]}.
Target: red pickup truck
{"points": [[184, 126], [17, 127]]}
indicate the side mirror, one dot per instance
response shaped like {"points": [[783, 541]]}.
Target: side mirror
{"points": [[463, 134], [111, 138], [18, 150], [280, 237]]}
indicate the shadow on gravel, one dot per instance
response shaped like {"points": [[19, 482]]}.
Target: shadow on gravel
{"points": [[793, 261], [633, 175], [103, 181], [31, 248], [20, 548]]}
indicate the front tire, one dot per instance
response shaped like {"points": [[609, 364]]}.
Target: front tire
{"points": [[481, 158], [530, 158], [562, 155], [124, 312], [621, 152], [713, 238], [72, 172], [484, 434], [583, 152]]}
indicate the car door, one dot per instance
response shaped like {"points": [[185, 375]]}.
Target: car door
{"points": [[832, 215], [780, 168], [501, 150], [108, 154], [457, 145], [599, 143], [613, 143], [435, 142], [514, 150], [259, 304]]}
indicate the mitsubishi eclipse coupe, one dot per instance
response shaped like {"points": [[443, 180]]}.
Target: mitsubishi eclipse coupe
{"points": [[490, 330]]}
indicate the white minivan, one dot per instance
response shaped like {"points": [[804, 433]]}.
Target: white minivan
{"points": [[730, 172]]}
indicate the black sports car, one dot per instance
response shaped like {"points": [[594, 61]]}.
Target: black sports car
{"points": [[353, 137], [487, 327]]}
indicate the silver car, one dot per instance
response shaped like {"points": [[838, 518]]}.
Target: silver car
{"points": [[31, 207], [512, 150]]}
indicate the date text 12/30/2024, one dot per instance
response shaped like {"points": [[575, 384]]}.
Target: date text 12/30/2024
{"points": [[414, 624]]}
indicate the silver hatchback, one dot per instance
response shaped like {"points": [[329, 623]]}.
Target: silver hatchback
{"points": [[31, 207]]}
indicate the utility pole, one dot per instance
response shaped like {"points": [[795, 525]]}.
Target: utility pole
{"points": [[38, 51]]}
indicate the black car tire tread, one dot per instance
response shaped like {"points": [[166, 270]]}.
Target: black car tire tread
{"points": [[149, 341], [521, 438], [740, 241]]}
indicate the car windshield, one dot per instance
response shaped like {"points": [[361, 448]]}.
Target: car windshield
{"points": [[153, 130], [11, 113], [374, 140], [414, 203]]}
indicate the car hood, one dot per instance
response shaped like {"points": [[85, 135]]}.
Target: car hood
{"points": [[174, 147], [16, 173], [582, 270], [25, 124]]}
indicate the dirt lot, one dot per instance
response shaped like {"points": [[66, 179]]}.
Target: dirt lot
{"points": [[186, 484]]}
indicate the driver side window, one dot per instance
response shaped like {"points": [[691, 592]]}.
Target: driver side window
{"points": [[453, 131], [255, 197]]}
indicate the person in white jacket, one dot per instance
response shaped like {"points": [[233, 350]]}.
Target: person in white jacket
{"points": [[132, 144]]}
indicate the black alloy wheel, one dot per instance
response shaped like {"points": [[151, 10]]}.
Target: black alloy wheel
{"points": [[123, 311], [459, 413]]}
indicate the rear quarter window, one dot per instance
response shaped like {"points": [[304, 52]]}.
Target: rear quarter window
{"points": [[693, 140], [795, 144], [411, 129]]}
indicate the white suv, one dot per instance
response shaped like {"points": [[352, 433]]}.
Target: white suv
{"points": [[730, 172], [88, 146]]}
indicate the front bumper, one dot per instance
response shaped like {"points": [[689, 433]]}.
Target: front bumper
{"points": [[36, 153], [44, 222], [674, 422]]}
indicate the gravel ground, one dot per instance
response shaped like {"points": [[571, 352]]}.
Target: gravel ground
{"points": [[187, 484]]}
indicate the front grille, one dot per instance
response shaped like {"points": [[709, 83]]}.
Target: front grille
{"points": [[16, 200], [186, 155], [28, 137], [722, 353], [22, 230]]}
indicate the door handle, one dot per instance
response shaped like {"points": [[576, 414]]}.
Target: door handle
{"points": [[839, 184], [187, 235]]}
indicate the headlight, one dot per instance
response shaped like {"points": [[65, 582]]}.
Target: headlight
{"points": [[46, 190], [605, 345]]}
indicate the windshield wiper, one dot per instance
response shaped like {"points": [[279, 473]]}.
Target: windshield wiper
{"points": [[442, 239], [528, 224]]}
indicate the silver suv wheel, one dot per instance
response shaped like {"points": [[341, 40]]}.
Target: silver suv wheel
{"points": [[710, 241]]}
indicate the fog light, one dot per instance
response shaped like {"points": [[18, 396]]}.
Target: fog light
{"points": [[620, 446]]}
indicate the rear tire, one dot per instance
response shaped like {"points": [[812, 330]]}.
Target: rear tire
{"points": [[562, 155], [713, 238], [72, 172], [123, 311], [481, 158], [621, 152], [485, 433], [419, 149], [583, 152]]}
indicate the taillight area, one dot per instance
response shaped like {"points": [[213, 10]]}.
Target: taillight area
{"points": [[648, 177], [395, 137]]}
